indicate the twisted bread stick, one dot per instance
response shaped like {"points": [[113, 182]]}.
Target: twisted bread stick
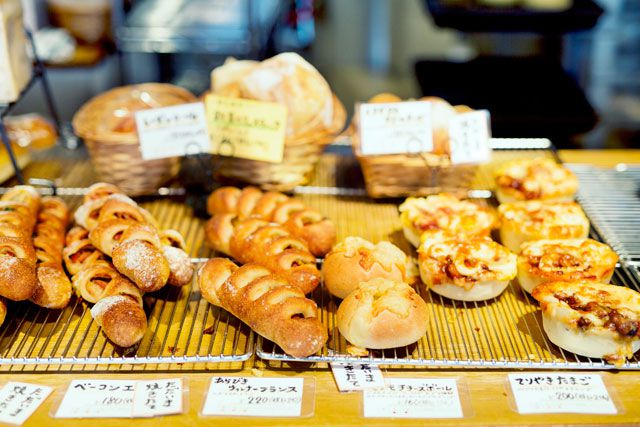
{"points": [[253, 240], [309, 225], [266, 302]]}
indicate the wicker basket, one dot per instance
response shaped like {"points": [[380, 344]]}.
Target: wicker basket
{"points": [[113, 142], [420, 174], [301, 153]]}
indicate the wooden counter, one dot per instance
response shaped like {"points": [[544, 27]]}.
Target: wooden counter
{"points": [[486, 388]]}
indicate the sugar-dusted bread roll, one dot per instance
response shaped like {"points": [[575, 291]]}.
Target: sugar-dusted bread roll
{"points": [[447, 213], [356, 260], [591, 319], [567, 260], [382, 314], [122, 319], [535, 220], [466, 269], [534, 179]]}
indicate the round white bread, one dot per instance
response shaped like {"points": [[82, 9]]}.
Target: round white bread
{"points": [[382, 314], [356, 260], [569, 260], [466, 269], [591, 319], [535, 220]]}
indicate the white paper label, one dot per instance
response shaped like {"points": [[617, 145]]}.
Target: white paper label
{"points": [[260, 397], [18, 401], [157, 397], [551, 393], [173, 131], [395, 128], [469, 135], [97, 399], [356, 376], [414, 398]]}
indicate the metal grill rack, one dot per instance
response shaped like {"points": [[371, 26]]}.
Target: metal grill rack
{"points": [[182, 327], [505, 332]]}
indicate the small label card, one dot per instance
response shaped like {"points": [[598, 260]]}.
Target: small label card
{"points": [[259, 397], [552, 393], [414, 398], [469, 135], [172, 131], [18, 401], [97, 399], [157, 397], [395, 128], [245, 128], [356, 376]]}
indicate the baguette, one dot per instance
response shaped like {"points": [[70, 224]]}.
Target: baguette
{"points": [[309, 225], [253, 240], [265, 301]]}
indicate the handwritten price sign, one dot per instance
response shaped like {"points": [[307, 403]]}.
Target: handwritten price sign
{"points": [[18, 401], [356, 376]]}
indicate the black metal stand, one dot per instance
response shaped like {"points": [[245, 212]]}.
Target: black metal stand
{"points": [[39, 73]]}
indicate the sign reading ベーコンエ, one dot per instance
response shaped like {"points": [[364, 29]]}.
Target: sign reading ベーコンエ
{"points": [[395, 128], [245, 128], [172, 131]]}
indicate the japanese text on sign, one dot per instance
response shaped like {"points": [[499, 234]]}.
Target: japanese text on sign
{"points": [[18, 401], [269, 397], [395, 128], [157, 397], [414, 398], [560, 393], [356, 376], [469, 135]]}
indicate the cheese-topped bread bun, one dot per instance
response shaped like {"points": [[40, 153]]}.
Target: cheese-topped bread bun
{"points": [[356, 260], [382, 314], [535, 220], [535, 179], [466, 269], [569, 260], [591, 319], [444, 212]]}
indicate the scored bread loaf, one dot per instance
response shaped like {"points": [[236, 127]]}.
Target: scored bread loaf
{"points": [[253, 240], [266, 302], [307, 224]]}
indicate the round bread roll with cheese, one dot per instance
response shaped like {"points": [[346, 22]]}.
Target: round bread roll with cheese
{"points": [[534, 179], [535, 220], [382, 314], [466, 269], [444, 212], [356, 260], [569, 260], [591, 319]]}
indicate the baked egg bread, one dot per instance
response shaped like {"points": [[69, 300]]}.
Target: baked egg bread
{"points": [[466, 269], [534, 179], [356, 260], [535, 220], [569, 260], [444, 212], [591, 319]]}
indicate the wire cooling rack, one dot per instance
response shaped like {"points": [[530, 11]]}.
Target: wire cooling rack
{"points": [[505, 332]]}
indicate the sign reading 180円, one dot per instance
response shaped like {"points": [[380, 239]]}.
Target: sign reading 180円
{"points": [[395, 128], [247, 129]]}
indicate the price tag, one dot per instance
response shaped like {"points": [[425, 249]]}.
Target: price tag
{"points": [[18, 401], [172, 131], [469, 135], [356, 376], [245, 128], [551, 393], [395, 128], [157, 397], [414, 398], [261, 397], [97, 399]]}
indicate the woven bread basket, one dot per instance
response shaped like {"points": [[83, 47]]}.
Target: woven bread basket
{"points": [[107, 125], [301, 153]]}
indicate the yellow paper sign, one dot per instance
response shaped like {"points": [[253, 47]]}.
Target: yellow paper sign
{"points": [[245, 128]]}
